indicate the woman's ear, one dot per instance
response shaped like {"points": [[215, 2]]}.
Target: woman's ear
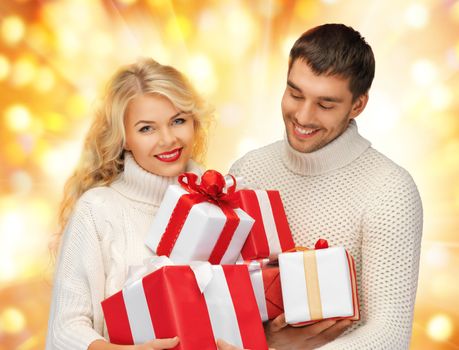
{"points": [[359, 105]]}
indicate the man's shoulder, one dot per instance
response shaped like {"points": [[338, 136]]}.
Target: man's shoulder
{"points": [[381, 166], [260, 155]]}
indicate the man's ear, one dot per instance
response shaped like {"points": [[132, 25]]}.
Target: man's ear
{"points": [[359, 105]]}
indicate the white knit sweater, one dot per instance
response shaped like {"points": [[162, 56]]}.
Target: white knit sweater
{"points": [[105, 235], [355, 197]]}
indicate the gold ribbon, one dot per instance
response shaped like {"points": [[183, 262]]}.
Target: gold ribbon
{"points": [[311, 276]]}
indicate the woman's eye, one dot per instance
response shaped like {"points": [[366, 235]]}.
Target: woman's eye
{"points": [[145, 128], [178, 121]]}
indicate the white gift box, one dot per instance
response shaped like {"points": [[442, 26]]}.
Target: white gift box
{"points": [[200, 231], [318, 284]]}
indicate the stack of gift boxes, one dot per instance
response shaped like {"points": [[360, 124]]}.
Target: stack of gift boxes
{"points": [[232, 264]]}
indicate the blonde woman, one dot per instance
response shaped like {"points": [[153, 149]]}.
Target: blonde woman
{"points": [[150, 127]]}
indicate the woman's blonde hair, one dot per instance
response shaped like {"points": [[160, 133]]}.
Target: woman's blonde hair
{"points": [[102, 158]]}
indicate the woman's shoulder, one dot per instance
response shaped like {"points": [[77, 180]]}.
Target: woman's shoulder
{"points": [[98, 197]]}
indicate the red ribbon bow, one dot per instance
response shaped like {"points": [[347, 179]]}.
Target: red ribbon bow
{"points": [[210, 189]]}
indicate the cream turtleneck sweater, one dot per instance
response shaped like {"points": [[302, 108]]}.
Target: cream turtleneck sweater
{"points": [[104, 236], [355, 197]]}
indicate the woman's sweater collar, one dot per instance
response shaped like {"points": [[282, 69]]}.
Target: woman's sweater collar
{"points": [[338, 153], [142, 186]]}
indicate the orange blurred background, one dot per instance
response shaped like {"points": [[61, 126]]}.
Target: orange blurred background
{"points": [[56, 55]]}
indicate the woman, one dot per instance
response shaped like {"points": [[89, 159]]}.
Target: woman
{"points": [[150, 127]]}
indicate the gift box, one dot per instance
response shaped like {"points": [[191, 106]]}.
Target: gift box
{"points": [[318, 284], [270, 234], [198, 305], [266, 285], [200, 221]]}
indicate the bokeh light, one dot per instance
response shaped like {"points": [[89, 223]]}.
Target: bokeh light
{"points": [[12, 29], [440, 327], [4, 67], [12, 320], [18, 117]]}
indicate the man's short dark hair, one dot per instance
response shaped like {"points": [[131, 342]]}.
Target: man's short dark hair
{"points": [[336, 49]]}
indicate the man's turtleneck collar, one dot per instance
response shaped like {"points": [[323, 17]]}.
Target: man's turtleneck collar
{"points": [[142, 186], [341, 151]]}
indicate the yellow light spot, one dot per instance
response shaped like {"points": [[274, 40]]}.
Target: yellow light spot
{"points": [[12, 320], [54, 122], [18, 118], [423, 72], [101, 44], [455, 11], [77, 106], [4, 67], [240, 31], [44, 80], [307, 10], [23, 71], [178, 28], [417, 15], [440, 327], [15, 154], [68, 42], [127, 2], [12, 29], [201, 72], [59, 163], [287, 45], [440, 97]]}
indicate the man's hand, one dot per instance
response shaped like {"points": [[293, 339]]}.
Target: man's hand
{"points": [[281, 336]]}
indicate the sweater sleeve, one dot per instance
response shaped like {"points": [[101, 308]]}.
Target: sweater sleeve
{"points": [[78, 285], [391, 242]]}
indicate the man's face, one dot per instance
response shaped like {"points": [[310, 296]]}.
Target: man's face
{"points": [[317, 108]]}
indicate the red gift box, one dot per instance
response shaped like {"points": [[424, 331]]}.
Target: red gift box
{"points": [[175, 301], [270, 234], [266, 285]]}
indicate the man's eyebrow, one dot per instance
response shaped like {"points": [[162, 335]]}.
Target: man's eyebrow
{"points": [[153, 122], [293, 86], [330, 99]]}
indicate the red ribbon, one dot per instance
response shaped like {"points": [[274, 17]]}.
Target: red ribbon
{"points": [[321, 244], [209, 190]]}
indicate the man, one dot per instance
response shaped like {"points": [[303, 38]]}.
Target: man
{"points": [[336, 186]]}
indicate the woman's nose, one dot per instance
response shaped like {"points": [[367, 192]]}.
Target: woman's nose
{"points": [[167, 137]]}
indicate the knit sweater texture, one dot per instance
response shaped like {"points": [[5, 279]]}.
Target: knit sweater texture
{"points": [[353, 196], [104, 236]]}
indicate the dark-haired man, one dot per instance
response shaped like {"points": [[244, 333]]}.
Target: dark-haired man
{"points": [[336, 186]]}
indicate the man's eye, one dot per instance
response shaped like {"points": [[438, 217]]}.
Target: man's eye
{"points": [[146, 128], [178, 121], [296, 97], [325, 107]]}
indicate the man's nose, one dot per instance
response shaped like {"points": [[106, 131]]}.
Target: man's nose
{"points": [[305, 114]]}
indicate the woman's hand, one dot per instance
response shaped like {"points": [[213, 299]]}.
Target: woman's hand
{"points": [[158, 344], [282, 336]]}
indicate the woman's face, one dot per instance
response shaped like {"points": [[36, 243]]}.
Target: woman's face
{"points": [[160, 136]]}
